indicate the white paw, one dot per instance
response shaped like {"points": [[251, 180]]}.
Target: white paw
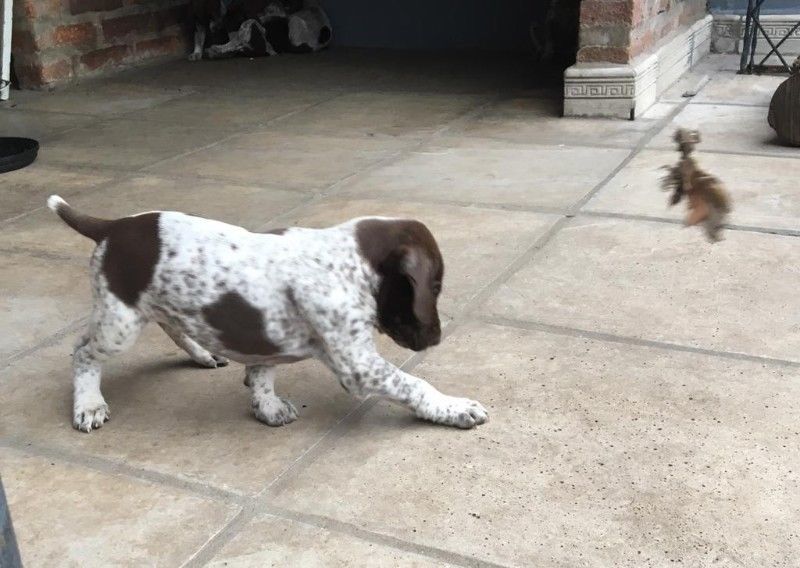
{"points": [[195, 56], [87, 416], [454, 411], [274, 411], [209, 360]]}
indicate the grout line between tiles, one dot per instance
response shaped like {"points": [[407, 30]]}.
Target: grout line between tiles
{"points": [[627, 340], [46, 342], [116, 468], [667, 220], [381, 539]]}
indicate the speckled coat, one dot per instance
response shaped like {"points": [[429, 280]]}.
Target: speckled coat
{"points": [[264, 299]]}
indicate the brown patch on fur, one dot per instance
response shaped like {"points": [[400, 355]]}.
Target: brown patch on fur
{"points": [[132, 251], [406, 257], [88, 226], [240, 325]]}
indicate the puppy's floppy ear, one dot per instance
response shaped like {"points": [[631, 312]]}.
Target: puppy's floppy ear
{"points": [[418, 268]]}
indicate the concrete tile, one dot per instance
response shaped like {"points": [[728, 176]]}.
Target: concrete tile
{"points": [[539, 121], [726, 128], [212, 110], [106, 97], [27, 189], [37, 125], [38, 297], [382, 114], [284, 160], [596, 454], [248, 206], [709, 67], [350, 69], [269, 541], [491, 171], [731, 88], [170, 416], [126, 144], [661, 282], [68, 516], [764, 190], [476, 243]]}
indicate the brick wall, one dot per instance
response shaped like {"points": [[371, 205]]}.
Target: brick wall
{"points": [[616, 31], [55, 41]]}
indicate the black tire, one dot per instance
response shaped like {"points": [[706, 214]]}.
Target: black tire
{"points": [[16, 153]]}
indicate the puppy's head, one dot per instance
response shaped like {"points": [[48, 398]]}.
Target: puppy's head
{"points": [[406, 257]]}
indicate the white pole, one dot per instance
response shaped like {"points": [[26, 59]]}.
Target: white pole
{"points": [[5, 62]]}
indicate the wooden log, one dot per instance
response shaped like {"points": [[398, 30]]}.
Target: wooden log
{"points": [[784, 108]]}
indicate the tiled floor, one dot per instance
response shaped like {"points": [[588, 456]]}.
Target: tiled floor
{"points": [[642, 384]]}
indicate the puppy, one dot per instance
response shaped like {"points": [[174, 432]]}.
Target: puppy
{"points": [[221, 292]]}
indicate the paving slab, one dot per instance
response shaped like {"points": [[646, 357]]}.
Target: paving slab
{"points": [[244, 205], [38, 125], [725, 128], [38, 297], [27, 189], [65, 515], [210, 110], [475, 243], [170, 416], [491, 171], [662, 282], [301, 162], [732, 88], [270, 541], [538, 121], [763, 190], [348, 69], [596, 454], [383, 114], [98, 98], [126, 144]]}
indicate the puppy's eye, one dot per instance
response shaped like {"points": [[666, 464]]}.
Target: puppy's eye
{"points": [[437, 288]]}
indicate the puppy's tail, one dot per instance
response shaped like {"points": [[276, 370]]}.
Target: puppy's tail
{"points": [[92, 227]]}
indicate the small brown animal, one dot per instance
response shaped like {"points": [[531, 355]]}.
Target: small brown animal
{"points": [[709, 203]]}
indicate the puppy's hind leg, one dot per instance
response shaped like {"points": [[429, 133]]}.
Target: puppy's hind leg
{"points": [[199, 355], [114, 328]]}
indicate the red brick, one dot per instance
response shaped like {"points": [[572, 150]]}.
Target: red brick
{"points": [[595, 54], [102, 57], [23, 41], [115, 28], [81, 6], [161, 46], [594, 12], [32, 9], [83, 36], [37, 75]]}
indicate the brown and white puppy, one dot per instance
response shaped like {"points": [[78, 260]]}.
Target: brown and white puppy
{"points": [[222, 292]]}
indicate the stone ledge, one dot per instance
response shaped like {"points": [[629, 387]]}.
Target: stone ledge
{"points": [[626, 91], [728, 29]]}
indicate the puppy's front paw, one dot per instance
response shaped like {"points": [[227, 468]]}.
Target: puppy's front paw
{"points": [[455, 411], [195, 56], [274, 411], [90, 415]]}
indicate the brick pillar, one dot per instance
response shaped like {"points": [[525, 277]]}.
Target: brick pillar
{"points": [[605, 30], [631, 50], [55, 41]]}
